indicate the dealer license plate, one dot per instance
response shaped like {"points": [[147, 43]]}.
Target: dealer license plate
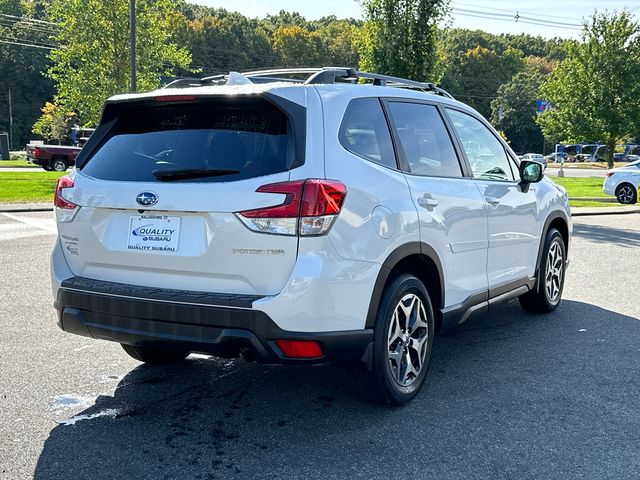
{"points": [[154, 233]]}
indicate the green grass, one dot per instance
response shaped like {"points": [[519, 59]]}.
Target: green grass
{"points": [[19, 187], [582, 187], [16, 163]]}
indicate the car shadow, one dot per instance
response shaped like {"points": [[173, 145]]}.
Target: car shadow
{"points": [[599, 233], [509, 395]]}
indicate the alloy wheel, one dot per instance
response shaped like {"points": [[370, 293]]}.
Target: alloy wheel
{"points": [[625, 194], [554, 272], [408, 340]]}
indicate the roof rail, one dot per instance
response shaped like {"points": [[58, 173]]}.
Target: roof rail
{"points": [[325, 75]]}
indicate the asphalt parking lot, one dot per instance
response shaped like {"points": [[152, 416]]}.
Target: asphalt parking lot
{"points": [[509, 395]]}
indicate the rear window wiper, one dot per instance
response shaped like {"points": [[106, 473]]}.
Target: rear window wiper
{"points": [[189, 173]]}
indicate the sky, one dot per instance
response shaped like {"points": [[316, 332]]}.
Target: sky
{"points": [[548, 18]]}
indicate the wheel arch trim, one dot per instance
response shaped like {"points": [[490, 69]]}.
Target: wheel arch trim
{"points": [[553, 216], [394, 258]]}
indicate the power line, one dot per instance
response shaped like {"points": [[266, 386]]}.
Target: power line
{"points": [[514, 17], [27, 44], [26, 26], [30, 19], [41, 36], [509, 18], [527, 12]]}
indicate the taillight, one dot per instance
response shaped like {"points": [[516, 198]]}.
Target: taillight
{"points": [[36, 152], [610, 173], [309, 208], [58, 200]]}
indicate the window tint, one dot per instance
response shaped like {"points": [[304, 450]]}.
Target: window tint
{"points": [[484, 151], [364, 131], [424, 139], [249, 135]]}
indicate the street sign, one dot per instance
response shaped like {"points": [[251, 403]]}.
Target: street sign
{"points": [[542, 105]]}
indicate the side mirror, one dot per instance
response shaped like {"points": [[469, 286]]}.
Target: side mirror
{"points": [[531, 172]]}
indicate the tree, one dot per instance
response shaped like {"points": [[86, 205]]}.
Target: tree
{"points": [[93, 61], [514, 111], [22, 68], [297, 46], [479, 72], [595, 91], [55, 123], [221, 41], [399, 37]]}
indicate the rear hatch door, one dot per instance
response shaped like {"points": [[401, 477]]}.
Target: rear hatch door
{"points": [[159, 191]]}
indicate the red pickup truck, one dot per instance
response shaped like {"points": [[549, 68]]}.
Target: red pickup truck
{"points": [[52, 157]]}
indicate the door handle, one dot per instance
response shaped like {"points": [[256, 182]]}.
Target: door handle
{"points": [[427, 201], [493, 201]]}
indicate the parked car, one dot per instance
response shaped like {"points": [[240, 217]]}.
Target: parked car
{"points": [[535, 157], [623, 183], [313, 222], [556, 157], [52, 157]]}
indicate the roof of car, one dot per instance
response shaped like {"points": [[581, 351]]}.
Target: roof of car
{"points": [[327, 79]]}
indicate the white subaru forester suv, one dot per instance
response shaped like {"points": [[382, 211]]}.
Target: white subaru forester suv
{"points": [[342, 218]]}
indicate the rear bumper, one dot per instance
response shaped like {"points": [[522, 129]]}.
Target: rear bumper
{"points": [[218, 324]]}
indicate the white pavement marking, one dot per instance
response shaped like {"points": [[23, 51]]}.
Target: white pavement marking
{"points": [[16, 231], [46, 224]]}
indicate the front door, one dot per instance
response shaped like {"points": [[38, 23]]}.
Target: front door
{"points": [[512, 213]]}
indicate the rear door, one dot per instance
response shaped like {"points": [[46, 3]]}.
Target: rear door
{"points": [[158, 195], [452, 213]]}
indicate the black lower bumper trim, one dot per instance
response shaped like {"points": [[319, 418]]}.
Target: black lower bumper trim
{"points": [[225, 331]]}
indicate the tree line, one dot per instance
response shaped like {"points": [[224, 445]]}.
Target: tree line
{"points": [[501, 76]]}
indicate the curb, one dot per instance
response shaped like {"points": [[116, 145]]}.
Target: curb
{"points": [[594, 199], [604, 211], [25, 210]]}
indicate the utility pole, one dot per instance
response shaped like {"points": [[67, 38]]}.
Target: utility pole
{"points": [[132, 31], [10, 122]]}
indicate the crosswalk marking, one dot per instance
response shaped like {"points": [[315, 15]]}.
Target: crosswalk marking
{"points": [[24, 226]]}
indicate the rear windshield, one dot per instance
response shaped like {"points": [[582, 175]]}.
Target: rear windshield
{"points": [[251, 136]]}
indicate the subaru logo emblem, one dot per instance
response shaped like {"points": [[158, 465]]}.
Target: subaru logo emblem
{"points": [[147, 199]]}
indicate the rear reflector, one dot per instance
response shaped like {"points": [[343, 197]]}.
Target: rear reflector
{"points": [[309, 208], [300, 348], [610, 173]]}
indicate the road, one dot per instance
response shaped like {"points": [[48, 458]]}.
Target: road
{"points": [[577, 172], [510, 395]]}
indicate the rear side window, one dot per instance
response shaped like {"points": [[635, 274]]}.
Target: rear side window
{"points": [[364, 131], [250, 136], [424, 139]]}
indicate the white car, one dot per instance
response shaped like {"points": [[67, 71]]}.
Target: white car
{"points": [[301, 222], [623, 183]]}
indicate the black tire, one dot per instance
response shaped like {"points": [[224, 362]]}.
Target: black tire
{"points": [[627, 194], [380, 384], [154, 356], [58, 165], [544, 298], [47, 168]]}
